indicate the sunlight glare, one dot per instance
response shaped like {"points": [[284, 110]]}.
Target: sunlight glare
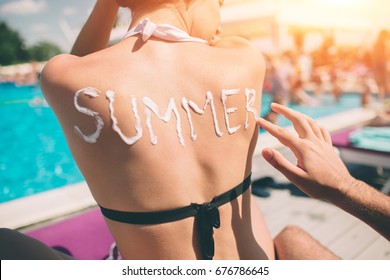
{"points": [[340, 2]]}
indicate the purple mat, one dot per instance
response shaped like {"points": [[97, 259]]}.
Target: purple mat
{"points": [[85, 235], [341, 138]]}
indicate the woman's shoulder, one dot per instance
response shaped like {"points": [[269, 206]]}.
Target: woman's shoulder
{"points": [[237, 43], [59, 62], [240, 46], [232, 42], [66, 73], [57, 71], [243, 52]]}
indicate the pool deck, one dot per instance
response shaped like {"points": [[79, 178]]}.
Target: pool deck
{"points": [[344, 234], [339, 231]]}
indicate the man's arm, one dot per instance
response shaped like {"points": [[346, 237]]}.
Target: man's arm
{"points": [[321, 174], [368, 204], [95, 34]]}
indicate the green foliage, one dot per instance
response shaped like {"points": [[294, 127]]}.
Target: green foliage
{"points": [[13, 49], [43, 51]]}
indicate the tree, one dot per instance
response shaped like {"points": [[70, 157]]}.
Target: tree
{"points": [[12, 47], [43, 51]]}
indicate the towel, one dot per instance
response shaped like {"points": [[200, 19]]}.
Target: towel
{"points": [[371, 138]]}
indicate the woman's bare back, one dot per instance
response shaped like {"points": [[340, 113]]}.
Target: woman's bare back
{"points": [[169, 129]]}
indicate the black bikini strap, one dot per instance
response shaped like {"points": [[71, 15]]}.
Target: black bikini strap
{"points": [[206, 216], [149, 218]]}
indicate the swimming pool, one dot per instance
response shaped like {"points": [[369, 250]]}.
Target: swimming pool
{"points": [[34, 156], [326, 107]]}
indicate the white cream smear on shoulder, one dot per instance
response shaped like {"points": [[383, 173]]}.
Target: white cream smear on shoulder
{"points": [[150, 107]]}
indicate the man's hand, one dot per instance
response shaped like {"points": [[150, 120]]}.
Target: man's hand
{"points": [[319, 171]]}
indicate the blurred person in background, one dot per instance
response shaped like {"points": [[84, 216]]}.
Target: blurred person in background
{"points": [[380, 57]]}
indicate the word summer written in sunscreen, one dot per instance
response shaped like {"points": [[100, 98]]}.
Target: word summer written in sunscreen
{"points": [[151, 107]]}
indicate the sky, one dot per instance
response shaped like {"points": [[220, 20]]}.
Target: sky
{"points": [[57, 21]]}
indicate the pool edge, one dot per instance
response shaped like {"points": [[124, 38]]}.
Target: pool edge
{"points": [[45, 206]]}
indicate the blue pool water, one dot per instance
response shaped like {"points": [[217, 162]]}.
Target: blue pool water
{"points": [[326, 107], [34, 156]]}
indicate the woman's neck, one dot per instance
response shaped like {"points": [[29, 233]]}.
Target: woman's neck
{"points": [[170, 14]]}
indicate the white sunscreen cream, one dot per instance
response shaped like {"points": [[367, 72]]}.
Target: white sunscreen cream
{"points": [[250, 95], [150, 107], [138, 127], [91, 92], [225, 94], [184, 103], [209, 101]]}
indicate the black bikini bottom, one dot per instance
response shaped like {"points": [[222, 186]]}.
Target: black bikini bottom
{"points": [[206, 216]]}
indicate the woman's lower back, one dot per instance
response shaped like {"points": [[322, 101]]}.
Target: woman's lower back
{"points": [[234, 239]]}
